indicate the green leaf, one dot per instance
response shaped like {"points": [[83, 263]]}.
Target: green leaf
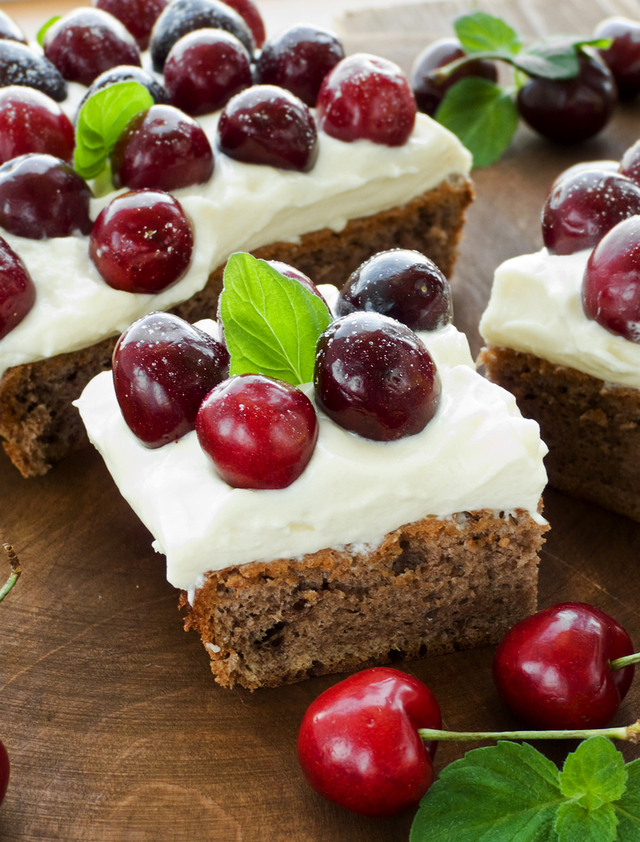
{"points": [[271, 322], [101, 122], [482, 115], [483, 33], [628, 807], [555, 57], [503, 793], [45, 28], [594, 774], [576, 824]]}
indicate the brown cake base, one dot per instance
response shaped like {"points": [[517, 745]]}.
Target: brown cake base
{"points": [[592, 428], [433, 586], [41, 426]]}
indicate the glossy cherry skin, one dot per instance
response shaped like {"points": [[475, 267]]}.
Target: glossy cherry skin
{"points": [[623, 56], [163, 368], [4, 771], [137, 15], [402, 284], [259, 432], [582, 207], [585, 166], [30, 121], [374, 377], [553, 668], [248, 11], [611, 283], [17, 291], [359, 747], [365, 97], [19, 65]]}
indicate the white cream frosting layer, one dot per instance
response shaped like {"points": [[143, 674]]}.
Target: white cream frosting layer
{"points": [[477, 452], [242, 207], [536, 308]]}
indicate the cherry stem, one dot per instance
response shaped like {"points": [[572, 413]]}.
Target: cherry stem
{"points": [[15, 570], [625, 661], [629, 732]]}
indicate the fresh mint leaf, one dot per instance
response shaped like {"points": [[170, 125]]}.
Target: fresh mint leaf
{"points": [[101, 122], [45, 28], [576, 824], [628, 807], [504, 793], [482, 115], [483, 33], [594, 774], [271, 322], [555, 57]]}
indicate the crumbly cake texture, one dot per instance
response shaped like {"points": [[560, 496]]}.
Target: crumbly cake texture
{"points": [[592, 428], [431, 587], [37, 419]]}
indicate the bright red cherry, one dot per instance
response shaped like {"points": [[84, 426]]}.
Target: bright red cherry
{"points": [[17, 291], [553, 668], [19, 65], [367, 97], [163, 367], [623, 56], [611, 283], [137, 15], [4, 771], [30, 121], [359, 747], [248, 10], [259, 432]]}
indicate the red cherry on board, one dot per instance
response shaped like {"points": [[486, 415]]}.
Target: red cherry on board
{"points": [[554, 668], [359, 747]]}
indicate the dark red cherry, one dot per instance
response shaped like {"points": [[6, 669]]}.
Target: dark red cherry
{"points": [[42, 196], [30, 121], [204, 69], [142, 241], [86, 42], [21, 66], [17, 292], [4, 771], [259, 432], [163, 367], [583, 207], [268, 125], [402, 284], [367, 97], [623, 56], [161, 148], [584, 166], [137, 15], [611, 284], [374, 377], [630, 163], [128, 73], [428, 89], [10, 30], [298, 59], [248, 10]]}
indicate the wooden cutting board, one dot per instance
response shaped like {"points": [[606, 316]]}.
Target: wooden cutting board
{"points": [[116, 730]]}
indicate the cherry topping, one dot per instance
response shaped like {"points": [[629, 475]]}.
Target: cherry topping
{"points": [[583, 207], [161, 148], [268, 125], [367, 97], [4, 771], [127, 73], [374, 377], [42, 196], [86, 42], [204, 69], [623, 56], [429, 90], [248, 10], [21, 66], [163, 367], [298, 59], [142, 241], [10, 30], [630, 163], [137, 15], [259, 432], [402, 284], [583, 166], [611, 284], [17, 297], [30, 121]]}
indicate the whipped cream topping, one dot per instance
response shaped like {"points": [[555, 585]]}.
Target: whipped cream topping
{"points": [[536, 308], [476, 453]]}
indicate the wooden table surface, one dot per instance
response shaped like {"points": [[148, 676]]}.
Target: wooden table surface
{"points": [[115, 728]]}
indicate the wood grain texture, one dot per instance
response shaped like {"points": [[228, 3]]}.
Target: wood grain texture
{"points": [[115, 728]]}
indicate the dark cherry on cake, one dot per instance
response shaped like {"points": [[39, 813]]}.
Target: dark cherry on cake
{"points": [[630, 163], [248, 10], [31, 121], [128, 73], [163, 368], [17, 290], [137, 15], [623, 56], [19, 65]]}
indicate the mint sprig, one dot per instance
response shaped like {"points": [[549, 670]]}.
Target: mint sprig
{"points": [[480, 32], [46, 26], [271, 323]]}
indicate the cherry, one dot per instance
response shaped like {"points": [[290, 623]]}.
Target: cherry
{"points": [[163, 367], [402, 284], [623, 56], [611, 283], [366, 97], [127, 73], [268, 125], [429, 89], [554, 668], [585, 166], [42, 196], [4, 771], [630, 163], [137, 15], [21, 66], [248, 11], [259, 432], [30, 121], [10, 30], [359, 747], [374, 377], [142, 241], [86, 42], [571, 110], [17, 291], [204, 69], [162, 148], [298, 59], [582, 207]]}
